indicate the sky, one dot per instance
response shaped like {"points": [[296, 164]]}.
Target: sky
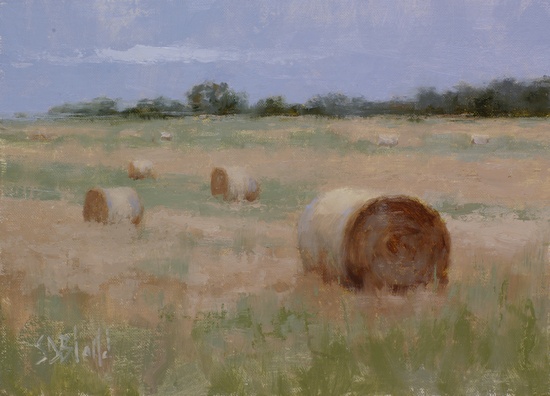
{"points": [[57, 51]]}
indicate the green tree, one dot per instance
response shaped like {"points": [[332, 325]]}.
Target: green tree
{"points": [[487, 104], [213, 98], [331, 104], [276, 105], [100, 106], [160, 107], [537, 97], [429, 101]]}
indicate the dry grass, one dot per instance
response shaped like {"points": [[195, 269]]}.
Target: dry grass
{"points": [[221, 286]]}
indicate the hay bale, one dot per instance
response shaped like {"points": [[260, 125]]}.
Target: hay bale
{"points": [[368, 241], [479, 139], [388, 140], [112, 205], [141, 169], [166, 136], [235, 184]]}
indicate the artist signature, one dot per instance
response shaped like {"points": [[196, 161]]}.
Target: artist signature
{"points": [[67, 347]]}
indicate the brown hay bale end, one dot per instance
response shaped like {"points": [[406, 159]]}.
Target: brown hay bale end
{"points": [[364, 241], [141, 169], [112, 205], [234, 184]]}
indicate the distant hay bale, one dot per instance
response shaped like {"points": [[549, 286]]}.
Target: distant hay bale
{"points": [[479, 139], [166, 136], [388, 140], [141, 169], [365, 241], [112, 205], [235, 184]]}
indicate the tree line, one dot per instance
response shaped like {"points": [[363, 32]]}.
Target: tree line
{"points": [[506, 97]]}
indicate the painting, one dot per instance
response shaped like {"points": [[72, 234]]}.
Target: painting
{"points": [[294, 197]]}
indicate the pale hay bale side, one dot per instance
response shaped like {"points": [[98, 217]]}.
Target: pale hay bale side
{"points": [[321, 231], [141, 169], [364, 241], [388, 140], [235, 184], [112, 205], [479, 139]]}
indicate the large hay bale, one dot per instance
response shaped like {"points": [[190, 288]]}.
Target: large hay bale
{"points": [[141, 169], [365, 241], [112, 205], [235, 184]]}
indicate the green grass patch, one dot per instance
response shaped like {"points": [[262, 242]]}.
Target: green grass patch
{"points": [[463, 210], [167, 267], [58, 180], [455, 352], [459, 144]]}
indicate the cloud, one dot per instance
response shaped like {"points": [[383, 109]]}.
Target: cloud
{"points": [[144, 55], [21, 65]]}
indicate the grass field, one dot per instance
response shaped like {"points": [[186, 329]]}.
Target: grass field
{"points": [[208, 297]]}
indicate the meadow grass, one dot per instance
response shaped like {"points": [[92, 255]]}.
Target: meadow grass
{"points": [[486, 339], [214, 133], [459, 144], [487, 334], [482, 342], [70, 182]]}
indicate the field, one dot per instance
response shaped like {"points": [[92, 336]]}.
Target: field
{"points": [[209, 297]]}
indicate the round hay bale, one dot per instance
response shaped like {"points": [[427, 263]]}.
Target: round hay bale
{"points": [[112, 205], [479, 139], [166, 136], [388, 140], [234, 184], [367, 241], [141, 169]]}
